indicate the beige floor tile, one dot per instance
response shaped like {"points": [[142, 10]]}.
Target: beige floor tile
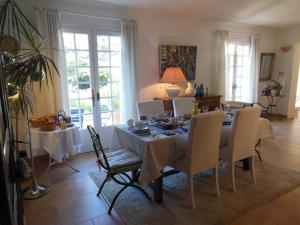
{"points": [[81, 209]]}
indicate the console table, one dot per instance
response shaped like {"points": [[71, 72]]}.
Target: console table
{"points": [[212, 101]]}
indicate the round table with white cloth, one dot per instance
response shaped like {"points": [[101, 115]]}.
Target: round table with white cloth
{"points": [[58, 143]]}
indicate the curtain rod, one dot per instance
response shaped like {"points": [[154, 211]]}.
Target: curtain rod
{"points": [[91, 16]]}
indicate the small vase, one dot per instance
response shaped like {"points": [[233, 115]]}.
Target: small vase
{"points": [[190, 91]]}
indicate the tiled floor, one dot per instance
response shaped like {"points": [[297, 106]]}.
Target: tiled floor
{"points": [[72, 198]]}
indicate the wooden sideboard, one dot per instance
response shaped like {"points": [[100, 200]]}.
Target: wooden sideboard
{"points": [[212, 101]]}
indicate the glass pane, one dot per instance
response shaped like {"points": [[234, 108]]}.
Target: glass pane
{"points": [[105, 90], [105, 104], [231, 49], [103, 76], [106, 119], [68, 40], [246, 50], [231, 61], [103, 59], [239, 61], [239, 71], [87, 120], [74, 105], [115, 74], [70, 58], [82, 41], [116, 104], [72, 90], [115, 58], [84, 74], [86, 106], [72, 73], [240, 50], [116, 118], [115, 43], [83, 58], [115, 89], [102, 43], [85, 90]]}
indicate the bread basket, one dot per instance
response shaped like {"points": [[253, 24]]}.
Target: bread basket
{"points": [[48, 127]]}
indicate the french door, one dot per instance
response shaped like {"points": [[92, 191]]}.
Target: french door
{"points": [[238, 84], [93, 63]]}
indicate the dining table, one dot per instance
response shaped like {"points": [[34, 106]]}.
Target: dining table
{"points": [[160, 150]]}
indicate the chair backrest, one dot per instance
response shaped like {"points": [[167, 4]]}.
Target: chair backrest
{"points": [[183, 105], [204, 140], [148, 108], [245, 127], [101, 157]]}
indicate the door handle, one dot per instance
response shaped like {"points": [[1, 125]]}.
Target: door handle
{"points": [[93, 98], [98, 96]]}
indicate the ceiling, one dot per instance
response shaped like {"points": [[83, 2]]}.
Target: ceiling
{"points": [[268, 13]]}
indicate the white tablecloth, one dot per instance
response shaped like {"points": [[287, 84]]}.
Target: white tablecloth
{"points": [[158, 153], [58, 143]]}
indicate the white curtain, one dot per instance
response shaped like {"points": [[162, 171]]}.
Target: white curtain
{"points": [[128, 90], [50, 98], [254, 68], [220, 83]]}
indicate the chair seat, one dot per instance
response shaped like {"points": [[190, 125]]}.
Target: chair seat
{"points": [[123, 160]]}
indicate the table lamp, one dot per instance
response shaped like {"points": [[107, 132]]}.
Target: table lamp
{"points": [[173, 75]]}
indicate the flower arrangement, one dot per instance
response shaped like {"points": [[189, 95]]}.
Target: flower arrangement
{"points": [[275, 86]]}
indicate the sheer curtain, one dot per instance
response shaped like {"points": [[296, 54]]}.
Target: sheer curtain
{"points": [[254, 68], [50, 99], [129, 91], [220, 83]]}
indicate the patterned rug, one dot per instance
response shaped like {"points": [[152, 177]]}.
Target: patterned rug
{"points": [[272, 181]]}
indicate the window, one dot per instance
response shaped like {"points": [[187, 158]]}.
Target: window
{"points": [[93, 63], [238, 77]]}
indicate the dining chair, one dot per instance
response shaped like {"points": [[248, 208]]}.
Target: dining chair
{"points": [[202, 151], [183, 105], [115, 164], [242, 140], [148, 108]]}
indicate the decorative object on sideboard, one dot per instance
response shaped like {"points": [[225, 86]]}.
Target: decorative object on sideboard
{"points": [[173, 75], [179, 56], [200, 91], [266, 66], [190, 91], [285, 48]]}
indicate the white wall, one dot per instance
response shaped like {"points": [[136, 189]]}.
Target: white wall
{"points": [[289, 63], [155, 29]]}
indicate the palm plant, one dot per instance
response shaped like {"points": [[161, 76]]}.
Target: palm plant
{"points": [[22, 47]]}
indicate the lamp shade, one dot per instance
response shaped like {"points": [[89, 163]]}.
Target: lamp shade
{"points": [[173, 75]]}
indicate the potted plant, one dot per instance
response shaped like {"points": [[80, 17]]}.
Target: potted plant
{"points": [[275, 88], [22, 67]]}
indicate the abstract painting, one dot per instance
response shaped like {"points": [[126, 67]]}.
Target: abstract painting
{"points": [[179, 56]]}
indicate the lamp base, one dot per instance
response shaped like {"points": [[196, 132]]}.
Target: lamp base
{"points": [[35, 191], [173, 90]]}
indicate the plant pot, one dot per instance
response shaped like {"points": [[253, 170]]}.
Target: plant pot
{"points": [[274, 92]]}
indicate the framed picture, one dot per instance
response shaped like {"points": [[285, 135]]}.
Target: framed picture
{"points": [[179, 56], [266, 66]]}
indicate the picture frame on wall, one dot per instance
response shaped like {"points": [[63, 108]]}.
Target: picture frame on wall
{"points": [[266, 66], [181, 56]]}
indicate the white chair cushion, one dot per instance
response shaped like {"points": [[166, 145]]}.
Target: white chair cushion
{"points": [[123, 160]]}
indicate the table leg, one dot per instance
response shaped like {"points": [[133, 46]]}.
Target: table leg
{"points": [[157, 187], [246, 164], [135, 175]]}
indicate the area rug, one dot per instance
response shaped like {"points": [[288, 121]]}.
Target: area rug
{"points": [[271, 181]]}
